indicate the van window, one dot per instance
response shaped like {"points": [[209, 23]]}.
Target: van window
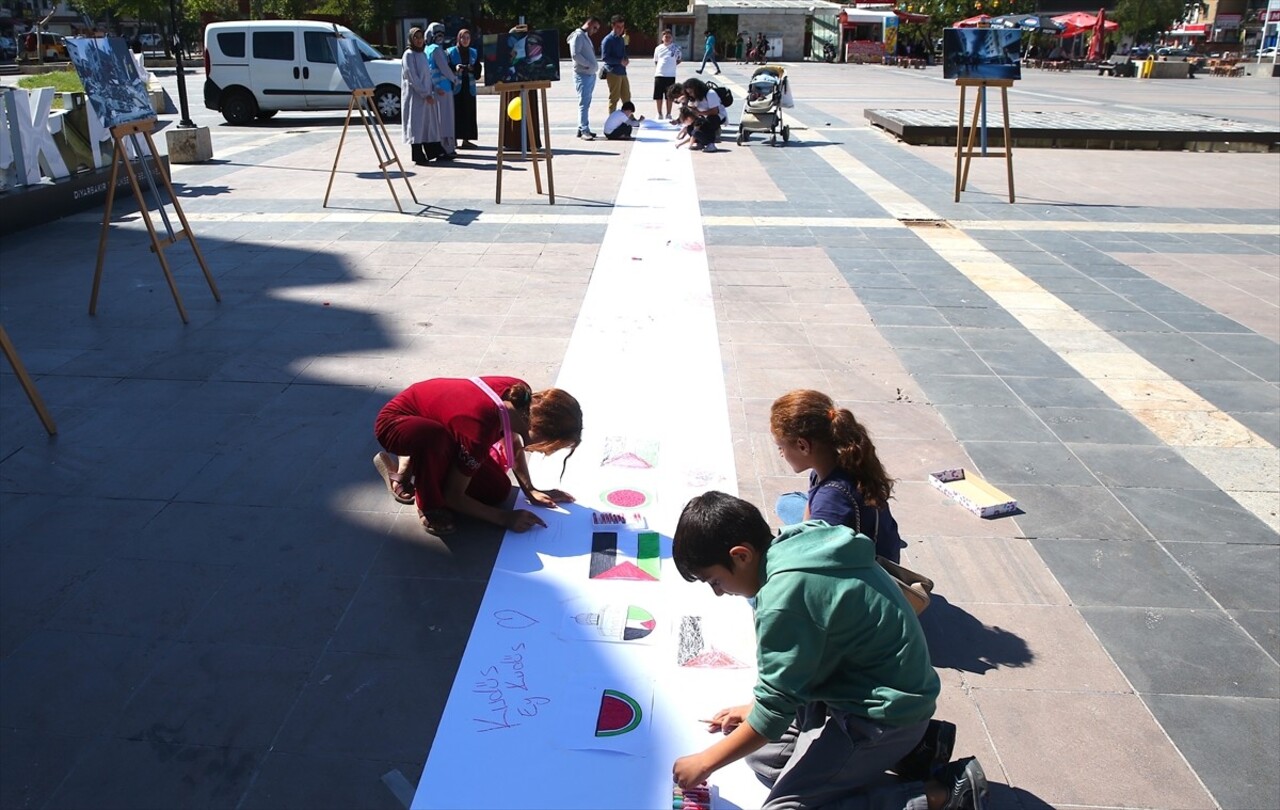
{"points": [[273, 45], [316, 44], [232, 44]]}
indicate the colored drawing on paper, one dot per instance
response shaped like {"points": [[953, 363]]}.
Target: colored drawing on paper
{"points": [[623, 451], [619, 714], [615, 622], [626, 498], [693, 650], [605, 562]]}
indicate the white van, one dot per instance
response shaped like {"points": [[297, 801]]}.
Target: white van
{"points": [[255, 69]]}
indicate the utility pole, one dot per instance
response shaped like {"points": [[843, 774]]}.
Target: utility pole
{"points": [[185, 121]]}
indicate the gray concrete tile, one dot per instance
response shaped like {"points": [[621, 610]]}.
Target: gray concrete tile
{"points": [[1085, 512], [1194, 322], [143, 598], [980, 423], [1096, 425], [1051, 392], [1265, 425], [1120, 465], [979, 317], [1042, 463], [1237, 576], [368, 707], [889, 315], [33, 764], [1263, 626], [1248, 396], [1259, 354], [942, 389], [1022, 363], [1184, 652], [114, 773], [942, 361], [72, 683], [912, 337], [216, 696], [1128, 321], [1126, 573], [385, 618], [1197, 516], [295, 780], [1229, 741], [411, 552]]}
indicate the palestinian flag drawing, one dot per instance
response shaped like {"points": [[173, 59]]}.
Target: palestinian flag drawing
{"points": [[620, 622], [606, 562]]}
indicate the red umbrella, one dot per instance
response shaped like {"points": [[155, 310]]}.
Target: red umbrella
{"points": [[1077, 22], [972, 22], [1099, 33]]}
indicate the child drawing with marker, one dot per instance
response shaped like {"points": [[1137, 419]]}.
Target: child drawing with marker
{"points": [[844, 688], [848, 486], [449, 444]]}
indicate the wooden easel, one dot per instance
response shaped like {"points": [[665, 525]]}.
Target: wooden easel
{"points": [[363, 105], [964, 154], [512, 90], [11, 354], [120, 155]]}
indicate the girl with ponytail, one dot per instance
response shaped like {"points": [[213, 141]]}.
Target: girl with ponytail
{"points": [[449, 444], [848, 485]]}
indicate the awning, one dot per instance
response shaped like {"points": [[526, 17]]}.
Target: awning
{"points": [[1193, 30], [852, 16], [909, 17]]}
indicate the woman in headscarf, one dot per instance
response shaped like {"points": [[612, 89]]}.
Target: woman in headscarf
{"points": [[442, 76], [417, 98], [462, 58]]}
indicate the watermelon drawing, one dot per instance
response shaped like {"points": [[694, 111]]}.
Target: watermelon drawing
{"points": [[619, 714], [626, 498]]}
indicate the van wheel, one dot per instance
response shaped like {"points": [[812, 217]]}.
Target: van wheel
{"points": [[387, 97], [239, 108], [266, 115]]}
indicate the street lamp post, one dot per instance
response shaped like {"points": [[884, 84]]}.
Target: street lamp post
{"points": [[176, 39]]}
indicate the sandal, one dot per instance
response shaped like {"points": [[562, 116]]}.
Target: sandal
{"points": [[438, 521], [400, 486]]}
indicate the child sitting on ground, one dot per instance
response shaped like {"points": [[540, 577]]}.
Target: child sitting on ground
{"points": [[687, 120], [845, 687], [620, 123], [848, 486]]}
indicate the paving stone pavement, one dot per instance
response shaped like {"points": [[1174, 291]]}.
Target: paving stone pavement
{"points": [[207, 599]]}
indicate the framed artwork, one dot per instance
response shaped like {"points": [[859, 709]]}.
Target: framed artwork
{"points": [[351, 63], [111, 79], [527, 56], [981, 53]]}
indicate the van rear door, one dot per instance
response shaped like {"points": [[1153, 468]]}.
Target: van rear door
{"points": [[324, 85], [277, 69]]}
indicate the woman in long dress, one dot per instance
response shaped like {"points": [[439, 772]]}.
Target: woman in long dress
{"points": [[445, 147], [417, 99], [463, 60]]}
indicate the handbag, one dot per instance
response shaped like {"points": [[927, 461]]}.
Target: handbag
{"points": [[915, 587], [604, 71]]}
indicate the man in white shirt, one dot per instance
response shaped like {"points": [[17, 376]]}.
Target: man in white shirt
{"points": [[665, 58]]}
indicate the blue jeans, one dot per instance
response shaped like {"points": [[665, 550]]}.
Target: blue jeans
{"points": [[585, 84], [790, 508], [709, 57]]}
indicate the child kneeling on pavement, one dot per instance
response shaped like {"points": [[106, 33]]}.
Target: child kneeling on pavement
{"points": [[620, 123], [845, 687]]}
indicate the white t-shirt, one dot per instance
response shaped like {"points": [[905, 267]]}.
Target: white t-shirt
{"points": [[712, 102], [665, 58], [616, 119]]}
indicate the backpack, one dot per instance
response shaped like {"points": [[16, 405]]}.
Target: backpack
{"points": [[726, 97]]}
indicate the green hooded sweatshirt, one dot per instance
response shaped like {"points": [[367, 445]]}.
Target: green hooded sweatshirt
{"points": [[832, 626]]}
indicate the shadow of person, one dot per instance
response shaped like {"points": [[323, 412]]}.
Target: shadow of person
{"points": [[958, 640]]}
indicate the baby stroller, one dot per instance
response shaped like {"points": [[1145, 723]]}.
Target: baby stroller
{"points": [[767, 93]]}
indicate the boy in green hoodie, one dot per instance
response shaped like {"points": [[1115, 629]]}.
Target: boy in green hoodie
{"points": [[844, 686]]}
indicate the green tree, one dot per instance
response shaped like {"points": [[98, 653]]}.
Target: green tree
{"points": [[1143, 19]]}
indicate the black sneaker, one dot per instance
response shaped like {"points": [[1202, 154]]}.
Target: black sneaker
{"points": [[966, 783]]}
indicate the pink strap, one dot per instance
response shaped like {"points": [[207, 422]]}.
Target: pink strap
{"points": [[505, 416]]}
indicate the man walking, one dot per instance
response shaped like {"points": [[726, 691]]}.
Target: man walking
{"points": [[709, 54], [613, 52], [583, 53]]}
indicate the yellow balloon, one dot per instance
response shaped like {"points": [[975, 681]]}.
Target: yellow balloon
{"points": [[515, 110]]}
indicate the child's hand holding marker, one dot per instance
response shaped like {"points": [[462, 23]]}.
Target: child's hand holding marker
{"points": [[726, 720]]}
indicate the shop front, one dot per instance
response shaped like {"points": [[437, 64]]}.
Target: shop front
{"points": [[868, 34]]}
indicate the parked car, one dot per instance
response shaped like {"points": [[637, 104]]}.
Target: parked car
{"points": [[255, 69], [8, 49], [151, 40], [53, 45], [1175, 51], [1266, 53]]}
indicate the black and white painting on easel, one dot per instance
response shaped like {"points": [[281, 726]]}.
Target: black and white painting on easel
{"points": [[350, 59], [981, 53], [111, 79]]}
